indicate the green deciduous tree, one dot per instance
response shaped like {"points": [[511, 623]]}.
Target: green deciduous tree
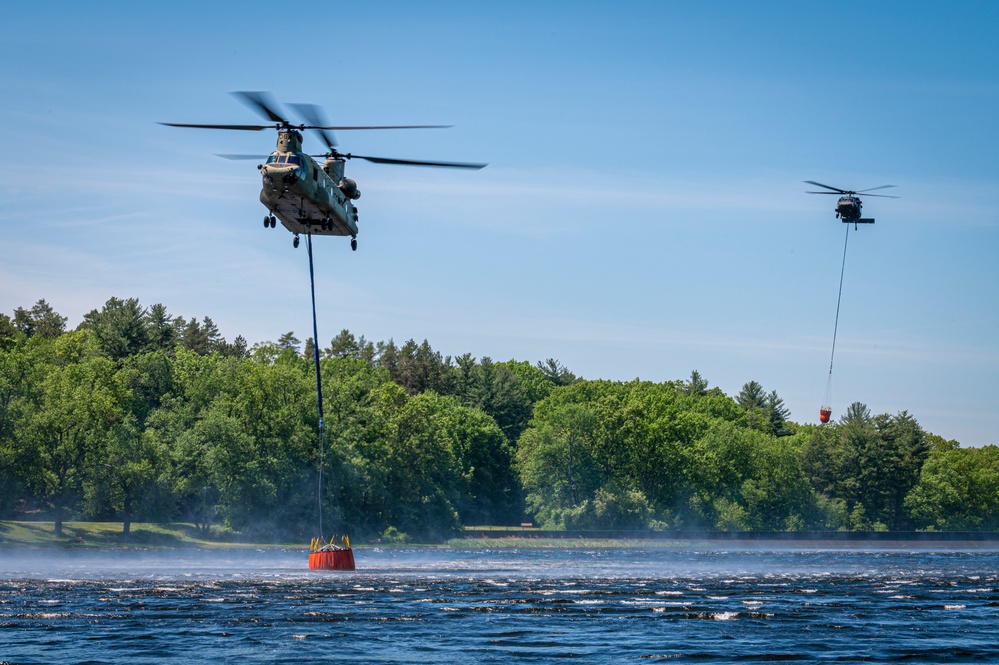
{"points": [[958, 489], [556, 461], [76, 410]]}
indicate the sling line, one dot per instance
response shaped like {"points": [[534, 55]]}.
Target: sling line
{"points": [[319, 386]]}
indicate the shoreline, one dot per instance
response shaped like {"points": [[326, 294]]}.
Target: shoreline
{"points": [[29, 535]]}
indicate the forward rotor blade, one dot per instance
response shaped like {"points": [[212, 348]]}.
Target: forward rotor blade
{"points": [[874, 188], [246, 157], [411, 162], [315, 119], [262, 103], [819, 184], [247, 128]]}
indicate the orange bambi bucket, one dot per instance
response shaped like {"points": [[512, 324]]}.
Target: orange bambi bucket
{"points": [[330, 557]]}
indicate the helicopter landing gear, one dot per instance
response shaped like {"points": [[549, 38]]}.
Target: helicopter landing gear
{"points": [[270, 221], [353, 244], [294, 243]]}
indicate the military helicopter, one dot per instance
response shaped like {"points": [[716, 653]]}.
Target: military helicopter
{"points": [[306, 197], [848, 208]]}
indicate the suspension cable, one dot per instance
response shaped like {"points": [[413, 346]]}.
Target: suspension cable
{"points": [[839, 299], [319, 386]]}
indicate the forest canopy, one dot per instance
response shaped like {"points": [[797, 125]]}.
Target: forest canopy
{"points": [[141, 415]]}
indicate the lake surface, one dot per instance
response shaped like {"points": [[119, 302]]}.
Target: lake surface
{"points": [[445, 605]]}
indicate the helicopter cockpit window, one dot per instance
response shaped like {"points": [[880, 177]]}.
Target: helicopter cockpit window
{"points": [[294, 160]]}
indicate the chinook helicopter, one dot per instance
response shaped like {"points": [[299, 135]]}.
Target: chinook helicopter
{"points": [[307, 197], [849, 206]]}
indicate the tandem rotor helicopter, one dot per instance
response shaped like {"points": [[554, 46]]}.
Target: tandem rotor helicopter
{"points": [[848, 208], [307, 197]]}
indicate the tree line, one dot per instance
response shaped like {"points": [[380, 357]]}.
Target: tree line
{"points": [[141, 415]]}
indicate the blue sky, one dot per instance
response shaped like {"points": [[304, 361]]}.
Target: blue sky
{"points": [[642, 215]]}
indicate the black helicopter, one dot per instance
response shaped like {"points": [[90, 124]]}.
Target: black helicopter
{"points": [[308, 197], [849, 206]]}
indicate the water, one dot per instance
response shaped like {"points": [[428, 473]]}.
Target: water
{"points": [[498, 605]]}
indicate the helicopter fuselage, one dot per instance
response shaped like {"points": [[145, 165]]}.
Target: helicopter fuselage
{"points": [[308, 198], [848, 210]]}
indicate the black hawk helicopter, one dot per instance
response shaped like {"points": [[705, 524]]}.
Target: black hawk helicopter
{"points": [[307, 197], [849, 206]]}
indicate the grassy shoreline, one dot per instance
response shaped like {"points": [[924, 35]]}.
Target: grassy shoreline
{"points": [[21, 535], [109, 535]]}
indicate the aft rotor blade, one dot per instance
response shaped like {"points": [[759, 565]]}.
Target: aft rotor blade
{"points": [[316, 120], [819, 184], [247, 128], [262, 103], [874, 188], [412, 162], [352, 127]]}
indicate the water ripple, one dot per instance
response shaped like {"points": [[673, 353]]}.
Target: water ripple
{"points": [[454, 606]]}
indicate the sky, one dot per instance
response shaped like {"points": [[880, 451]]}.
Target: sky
{"points": [[643, 214]]}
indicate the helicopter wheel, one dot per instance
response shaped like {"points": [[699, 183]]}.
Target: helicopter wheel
{"points": [[353, 244], [273, 221], [294, 243], [267, 221]]}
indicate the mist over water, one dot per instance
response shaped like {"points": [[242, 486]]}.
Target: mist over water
{"points": [[490, 605]]}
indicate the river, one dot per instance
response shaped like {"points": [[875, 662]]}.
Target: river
{"points": [[451, 605]]}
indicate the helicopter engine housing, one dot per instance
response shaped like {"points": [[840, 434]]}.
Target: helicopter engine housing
{"points": [[349, 187]]}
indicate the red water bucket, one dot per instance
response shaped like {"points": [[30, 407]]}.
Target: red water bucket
{"points": [[341, 559], [824, 414]]}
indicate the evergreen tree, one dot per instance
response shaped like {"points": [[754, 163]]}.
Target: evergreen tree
{"points": [[120, 327], [343, 346], [697, 385], [288, 341], [193, 337], [160, 330], [556, 372], [41, 319], [212, 335], [234, 349]]}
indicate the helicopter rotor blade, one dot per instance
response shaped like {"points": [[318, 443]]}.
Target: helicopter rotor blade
{"points": [[248, 128], [834, 189], [833, 193], [413, 162], [316, 121], [353, 127], [883, 196], [262, 103], [874, 188], [242, 157]]}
